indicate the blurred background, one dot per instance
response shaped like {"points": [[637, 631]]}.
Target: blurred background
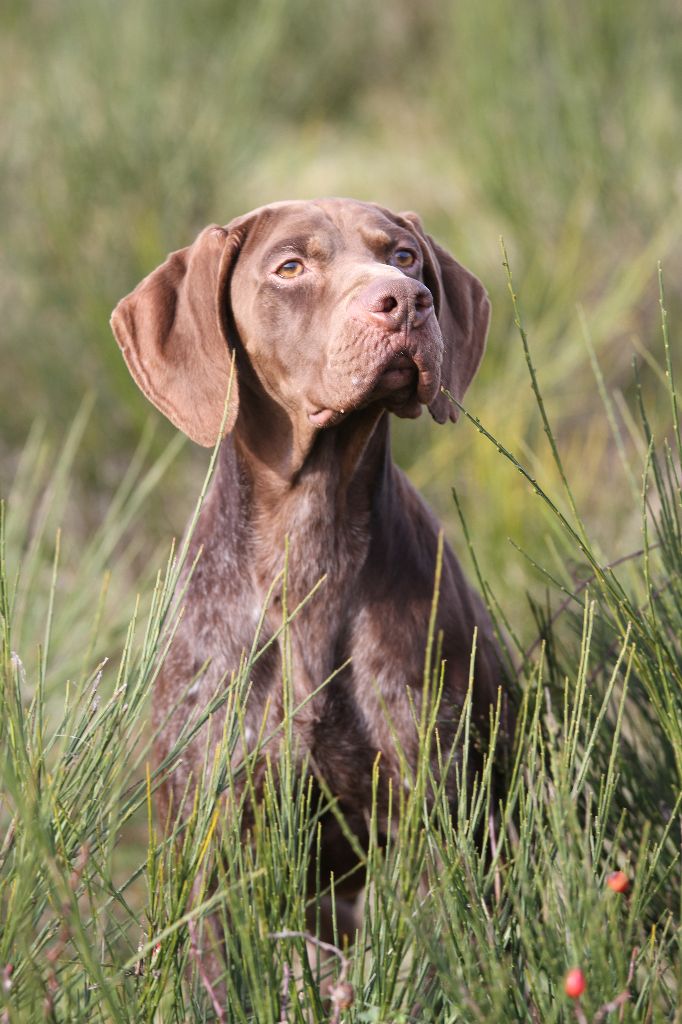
{"points": [[127, 126]]}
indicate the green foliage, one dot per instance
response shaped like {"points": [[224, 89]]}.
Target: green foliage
{"points": [[128, 126]]}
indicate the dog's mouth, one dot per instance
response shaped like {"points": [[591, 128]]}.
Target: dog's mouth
{"points": [[401, 372], [403, 385], [398, 387]]}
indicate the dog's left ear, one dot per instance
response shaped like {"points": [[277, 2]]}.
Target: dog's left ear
{"points": [[463, 312]]}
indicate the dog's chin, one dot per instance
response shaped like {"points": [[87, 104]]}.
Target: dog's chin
{"points": [[401, 399], [402, 386], [397, 389]]}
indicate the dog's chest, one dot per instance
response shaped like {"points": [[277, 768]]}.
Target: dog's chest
{"points": [[314, 544], [313, 554], [347, 669]]}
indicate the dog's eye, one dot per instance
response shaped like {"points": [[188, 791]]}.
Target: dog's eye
{"points": [[292, 268], [404, 258]]}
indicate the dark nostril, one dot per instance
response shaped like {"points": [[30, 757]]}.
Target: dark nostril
{"points": [[395, 305], [389, 303]]}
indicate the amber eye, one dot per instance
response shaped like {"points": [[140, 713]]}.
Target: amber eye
{"points": [[404, 258], [292, 268]]}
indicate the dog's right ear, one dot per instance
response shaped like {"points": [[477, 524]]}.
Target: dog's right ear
{"points": [[172, 331]]}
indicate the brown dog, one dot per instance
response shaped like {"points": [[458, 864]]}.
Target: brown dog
{"points": [[337, 312]]}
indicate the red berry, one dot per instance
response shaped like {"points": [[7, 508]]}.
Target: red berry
{"points": [[618, 881], [574, 983]]}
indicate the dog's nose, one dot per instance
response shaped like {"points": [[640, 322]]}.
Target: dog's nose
{"points": [[394, 303]]}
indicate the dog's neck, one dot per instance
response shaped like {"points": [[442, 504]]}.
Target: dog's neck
{"points": [[321, 507], [281, 460], [315, 524]]}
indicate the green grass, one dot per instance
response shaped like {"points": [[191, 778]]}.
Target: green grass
{"points": [[104, 917], [126, 128]]}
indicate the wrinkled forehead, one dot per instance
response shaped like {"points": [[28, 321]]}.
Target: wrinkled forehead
{"points": [[321, 228]]}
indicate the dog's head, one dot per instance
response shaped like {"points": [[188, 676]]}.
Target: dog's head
{"points": [[333, 305]]}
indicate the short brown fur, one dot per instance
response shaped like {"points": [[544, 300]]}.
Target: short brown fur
{"points": [[321, 359]]}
